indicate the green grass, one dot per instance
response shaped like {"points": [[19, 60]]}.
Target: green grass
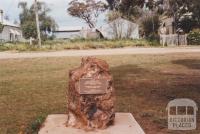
{"points": [[53, 45], [30, 89]]}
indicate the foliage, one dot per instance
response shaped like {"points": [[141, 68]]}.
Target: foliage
{"points": [[88, 10], [113, 15], [34, 126], [194, 37], [1, 27], [111, 3], [185, 12], [130, 9], [153, 37], [150, 25], [187, 24], [28, 24], [29, 29]]}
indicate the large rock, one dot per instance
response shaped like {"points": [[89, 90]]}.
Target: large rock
{"points": [[91, 95]]}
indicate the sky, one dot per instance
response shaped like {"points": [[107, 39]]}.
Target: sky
{"points": [[58, 12]]}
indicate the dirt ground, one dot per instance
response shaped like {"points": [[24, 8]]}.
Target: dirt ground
{"points": [[99, 52]]}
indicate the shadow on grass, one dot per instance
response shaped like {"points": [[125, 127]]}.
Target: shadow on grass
{"points": [[189, 63], [134, 86], [126, 72], [145, 93]]}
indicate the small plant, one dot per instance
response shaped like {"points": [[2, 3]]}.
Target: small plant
{"points": [[194, 37], [34, 126]]}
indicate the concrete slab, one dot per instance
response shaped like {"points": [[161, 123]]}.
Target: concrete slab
{"points": [[124, 124]]}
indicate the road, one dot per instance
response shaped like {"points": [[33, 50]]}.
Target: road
{"points": [[95, 52]]}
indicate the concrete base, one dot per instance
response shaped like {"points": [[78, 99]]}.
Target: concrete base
{"points": [[124, 124]]}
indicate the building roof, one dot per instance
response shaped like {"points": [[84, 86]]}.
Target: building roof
{"points": [[68, 28], [8, 23]]}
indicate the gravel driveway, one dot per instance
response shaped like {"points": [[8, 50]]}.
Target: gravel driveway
{"points": [[92, 52]]}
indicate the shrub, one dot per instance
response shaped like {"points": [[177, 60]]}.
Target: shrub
{"points": [[150, 26], [3, 48], [35, 125], [186, 24], [1, 27], [194, 37], [154, 43], [153, 36]]}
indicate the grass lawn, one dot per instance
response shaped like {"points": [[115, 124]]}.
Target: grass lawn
{"points": [[53, 45], [30, 89]]}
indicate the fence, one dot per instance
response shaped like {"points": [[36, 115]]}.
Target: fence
{"points": [[173, 39]]}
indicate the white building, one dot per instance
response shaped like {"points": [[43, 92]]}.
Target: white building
{"points": [[68, 32], [11, 32], [120, 28]]}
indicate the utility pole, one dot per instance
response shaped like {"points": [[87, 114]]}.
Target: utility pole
{"points": [[1, 14], [37, 23]]}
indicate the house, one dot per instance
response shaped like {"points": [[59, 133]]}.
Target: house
{"points": [[68, 32], [10, 32], [120, 28]]}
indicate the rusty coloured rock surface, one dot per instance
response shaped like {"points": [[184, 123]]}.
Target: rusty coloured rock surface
{"points": [[90, 111]]}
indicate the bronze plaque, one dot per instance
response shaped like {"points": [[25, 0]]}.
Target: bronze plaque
{"points": [[92, 86]]}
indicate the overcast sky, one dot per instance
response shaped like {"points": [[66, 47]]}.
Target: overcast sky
{"points": [[58, 11]]}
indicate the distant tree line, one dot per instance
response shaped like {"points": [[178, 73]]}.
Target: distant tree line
{"points": [[186, 13]]}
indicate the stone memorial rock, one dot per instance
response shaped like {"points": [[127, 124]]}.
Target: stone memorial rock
{"points": [[91, 95]]}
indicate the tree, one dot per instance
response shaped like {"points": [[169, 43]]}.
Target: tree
{"points": [[130, 9], [28, 24], [187, 24], [186, 13], [88, 10], [150, 25], [113, 15], [111, 4]]}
